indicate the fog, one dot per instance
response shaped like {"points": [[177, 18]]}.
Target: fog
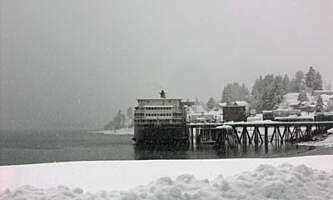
{"points": [[72, 64]]}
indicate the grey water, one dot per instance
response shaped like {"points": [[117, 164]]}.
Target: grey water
{"points": [[29, 147]]}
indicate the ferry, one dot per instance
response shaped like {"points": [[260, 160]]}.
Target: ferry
{"points": [[160, 121]]}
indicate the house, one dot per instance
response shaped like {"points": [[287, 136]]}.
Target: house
{"points": [[235, 111]]}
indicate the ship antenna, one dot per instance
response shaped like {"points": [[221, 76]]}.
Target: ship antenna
{"points": [[162, 94]]}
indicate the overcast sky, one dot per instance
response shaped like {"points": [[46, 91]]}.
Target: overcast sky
{"points": [[71, 64]]}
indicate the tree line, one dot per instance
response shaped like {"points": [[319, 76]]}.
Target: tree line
{"points": [[121, 120], [267, 91]]}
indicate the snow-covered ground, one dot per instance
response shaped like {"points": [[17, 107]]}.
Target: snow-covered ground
{"points": [[123, 131], [265, 179]]}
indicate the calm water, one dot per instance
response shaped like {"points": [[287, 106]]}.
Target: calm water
{"points": [[56, 146]]}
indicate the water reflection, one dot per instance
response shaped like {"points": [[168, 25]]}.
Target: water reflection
{"points": [[145, 152]]}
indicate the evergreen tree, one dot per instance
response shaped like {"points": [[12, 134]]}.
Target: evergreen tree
{"points": [[268, 93], [130, 113], [302, 97], [264, 95], [286, 84], [273, 93], [211, 103], [310, 78], [318, 82], [266, 102], [235, 92], [298, 82], [227, 94], [118, 122], [257, 94], [278, 90], [319, 104]]}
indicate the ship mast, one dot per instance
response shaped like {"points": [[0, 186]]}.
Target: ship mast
{"points": [[162, 94]]}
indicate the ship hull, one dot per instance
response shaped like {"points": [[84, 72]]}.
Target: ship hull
{"points": [[160, 134]]}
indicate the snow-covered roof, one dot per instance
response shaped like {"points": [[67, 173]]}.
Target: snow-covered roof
{"points": [[222, 104], [238, 103], [242, 103], [319, 92], [157, 106]]}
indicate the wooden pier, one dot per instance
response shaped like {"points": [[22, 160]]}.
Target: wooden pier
{"points": [[257, 133]]}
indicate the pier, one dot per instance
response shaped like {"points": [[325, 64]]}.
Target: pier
{"points": [[257, 133]]}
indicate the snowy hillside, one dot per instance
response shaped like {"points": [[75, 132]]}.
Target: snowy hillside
{"points": [[291, 101]]}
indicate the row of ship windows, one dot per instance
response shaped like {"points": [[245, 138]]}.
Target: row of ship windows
{"points": [[152, 120], [159, 114], [155, 108]]}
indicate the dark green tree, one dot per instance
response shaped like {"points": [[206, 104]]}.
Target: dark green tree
{"points": [[286, 84], [235, 92], [302, 97], [118, 122], [211, 104], [129, 113], [319, 104], [273, 93], [297, 84], [318, 82], [310, 78]]}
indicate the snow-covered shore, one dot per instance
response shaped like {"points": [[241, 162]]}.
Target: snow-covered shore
{"points": [[277, 176]]}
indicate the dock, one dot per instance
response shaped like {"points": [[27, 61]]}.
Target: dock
{"points": [[257, 133]]}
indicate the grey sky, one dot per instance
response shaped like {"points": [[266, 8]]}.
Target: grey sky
{"points": [[73, 64]]}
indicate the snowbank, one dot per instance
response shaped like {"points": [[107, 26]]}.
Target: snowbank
{"points": [[123, 131], [95, 176], [265, 182]]}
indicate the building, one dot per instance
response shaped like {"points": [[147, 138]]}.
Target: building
{"points": [[234, 112], [320, 92]]}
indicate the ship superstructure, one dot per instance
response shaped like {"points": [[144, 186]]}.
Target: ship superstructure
{"points": [[159, 121]]}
